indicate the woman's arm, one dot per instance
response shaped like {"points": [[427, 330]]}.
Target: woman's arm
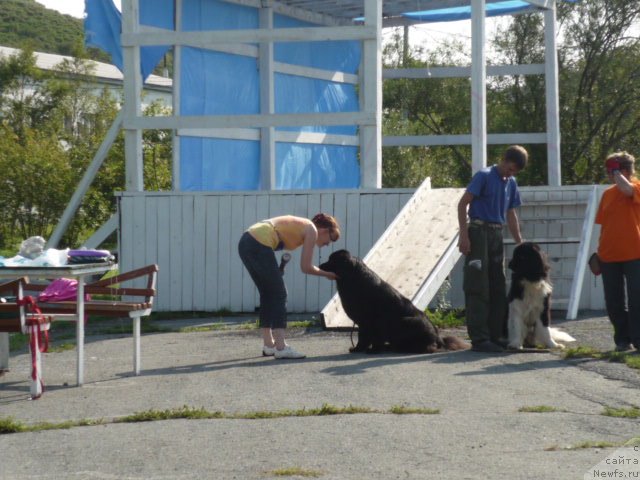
{"points": [[306, 259], [623, 184]]}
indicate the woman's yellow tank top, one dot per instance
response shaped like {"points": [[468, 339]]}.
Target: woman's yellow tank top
{"points": [[286, 232]]}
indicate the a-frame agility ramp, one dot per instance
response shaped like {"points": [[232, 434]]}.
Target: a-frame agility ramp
{"points": [[415, 253]]}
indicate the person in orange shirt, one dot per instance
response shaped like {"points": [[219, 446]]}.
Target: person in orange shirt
{"points": [[256, 248], [619, 249]]}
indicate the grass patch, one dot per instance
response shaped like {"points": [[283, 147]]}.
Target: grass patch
{"points": [[539, 409], [200, 413], [447, 318], [9, 425], [62, 348], [194, 314], [175, 413], [631, 359], [582, 352], [404, 410], [325, 409], [583, 445], [631, 412], [295, 472], [204, 328], [304, 324], [252, 325], [18, 341]]}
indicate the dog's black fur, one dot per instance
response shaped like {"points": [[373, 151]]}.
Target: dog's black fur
{"points": [[386, 319]]}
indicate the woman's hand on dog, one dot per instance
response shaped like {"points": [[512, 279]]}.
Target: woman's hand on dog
{"points": [[330, 275]]}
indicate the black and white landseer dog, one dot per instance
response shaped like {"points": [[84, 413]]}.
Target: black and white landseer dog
{"points": [[386, 319], [530, 300]]}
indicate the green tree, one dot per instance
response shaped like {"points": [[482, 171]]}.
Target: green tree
{"points": [[431, 106], [600, 92], [51, 127]]}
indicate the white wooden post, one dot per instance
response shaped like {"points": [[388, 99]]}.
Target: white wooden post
{"points": [[175, 91], [371, 135], [554, 176], [267, 105], [132, 107], [583, 255], [4, 351], [478, 87]]}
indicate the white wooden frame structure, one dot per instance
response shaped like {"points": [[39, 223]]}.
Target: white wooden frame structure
{"points": [[368, 119], [340, 26]]}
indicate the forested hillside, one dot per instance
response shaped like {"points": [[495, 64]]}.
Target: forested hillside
{"points": [[27, 23]]}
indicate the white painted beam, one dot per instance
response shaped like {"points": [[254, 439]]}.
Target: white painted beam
{"points": [[279, 136], [204, 39], [267, 105], [177, 100], [554, 174], [249, 121], [85, 183], [371, 98], [102, 233], [462, 72], [132, 99], [583, 255], [433, 140], [478, 87]]}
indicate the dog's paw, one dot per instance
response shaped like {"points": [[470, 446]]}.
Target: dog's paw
{"points": [[357, 349]]}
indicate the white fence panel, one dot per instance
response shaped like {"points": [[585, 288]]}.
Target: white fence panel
{"points": [[193, 237]]}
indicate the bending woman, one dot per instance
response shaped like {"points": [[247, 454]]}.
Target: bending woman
{"points": [[256, 248]]}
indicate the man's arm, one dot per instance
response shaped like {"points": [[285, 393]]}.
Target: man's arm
{"points": [[514, 226], [464, 245]]}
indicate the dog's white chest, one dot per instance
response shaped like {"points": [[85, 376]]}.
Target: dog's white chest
{"points": [[532, 303]]}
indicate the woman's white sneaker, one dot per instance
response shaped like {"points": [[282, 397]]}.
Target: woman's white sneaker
{"points": [[268, 351], [288, 352]]}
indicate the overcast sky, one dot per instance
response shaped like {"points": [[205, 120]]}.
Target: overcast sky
{"points": [[70, 7]]}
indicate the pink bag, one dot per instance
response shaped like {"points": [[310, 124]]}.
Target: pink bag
{"points": [[61, 289]]}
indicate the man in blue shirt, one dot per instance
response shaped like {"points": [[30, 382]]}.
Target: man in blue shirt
{"points": [[491, 199]]}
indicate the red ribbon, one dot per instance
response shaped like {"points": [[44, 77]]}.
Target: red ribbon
{"points": [[36, 337]]}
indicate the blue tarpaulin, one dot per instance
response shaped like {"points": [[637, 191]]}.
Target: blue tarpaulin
{"points": [[103, 25], [219, 83], [451, 14]]}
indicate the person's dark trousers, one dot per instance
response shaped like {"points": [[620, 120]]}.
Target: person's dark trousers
{"points": [[262, 265], [485, 284], [624, 313]]}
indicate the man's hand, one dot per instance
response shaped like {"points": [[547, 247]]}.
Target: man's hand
{"points": [[464, 244]]}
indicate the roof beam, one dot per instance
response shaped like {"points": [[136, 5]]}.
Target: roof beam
{"points": [[206, 38]]}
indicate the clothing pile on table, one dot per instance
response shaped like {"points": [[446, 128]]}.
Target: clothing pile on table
{"points": [[34, 254]]}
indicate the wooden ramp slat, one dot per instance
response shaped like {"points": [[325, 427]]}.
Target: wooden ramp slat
{"points": [[415, 253]]}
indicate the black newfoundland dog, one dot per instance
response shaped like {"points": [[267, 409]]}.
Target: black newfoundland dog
{"points": [[530, 300], [386, 319]]}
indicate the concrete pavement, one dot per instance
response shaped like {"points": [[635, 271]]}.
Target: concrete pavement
{"points": [[479, 432]]}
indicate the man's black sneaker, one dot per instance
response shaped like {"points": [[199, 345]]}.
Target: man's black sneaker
{"points": [[487, 347]]}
